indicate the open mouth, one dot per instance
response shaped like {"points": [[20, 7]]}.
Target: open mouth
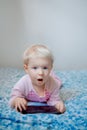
{"points": [[40, 79]]}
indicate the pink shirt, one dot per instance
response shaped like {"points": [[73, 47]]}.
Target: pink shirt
{"points": [[24, 88]]}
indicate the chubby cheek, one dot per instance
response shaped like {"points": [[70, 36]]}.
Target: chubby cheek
{"points": [[46, 76], [31, 74], [47, 73]]}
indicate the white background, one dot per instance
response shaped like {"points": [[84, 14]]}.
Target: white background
{"points": [[60, 24]]}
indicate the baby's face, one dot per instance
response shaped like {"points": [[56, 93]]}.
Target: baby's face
{"points": [[39, 70]]}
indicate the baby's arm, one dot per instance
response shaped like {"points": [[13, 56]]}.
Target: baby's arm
{"points": [[18, 95], [55, 99], [57, 103]]}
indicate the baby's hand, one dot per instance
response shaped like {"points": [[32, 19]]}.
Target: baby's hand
{"points": [[60, 107], [20, 104]]}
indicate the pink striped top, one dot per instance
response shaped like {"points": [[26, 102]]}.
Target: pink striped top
{"points": [[24, 88]]}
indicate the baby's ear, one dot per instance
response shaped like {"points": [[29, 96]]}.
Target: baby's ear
{"points": [[26, 68]]}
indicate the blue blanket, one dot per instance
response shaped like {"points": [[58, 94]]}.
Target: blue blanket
{"points": [[73, 92]]}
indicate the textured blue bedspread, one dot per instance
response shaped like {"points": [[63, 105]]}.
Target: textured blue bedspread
{"points": [[73, 92]]}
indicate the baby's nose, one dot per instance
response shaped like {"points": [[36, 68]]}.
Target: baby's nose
{"points": [[40, 72]]}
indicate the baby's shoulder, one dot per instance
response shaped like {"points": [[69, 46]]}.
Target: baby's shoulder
{"points": [[54, 83], [55, 79], [24, 79]]}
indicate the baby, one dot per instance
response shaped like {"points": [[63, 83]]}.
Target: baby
{"points": [[39, 84]]}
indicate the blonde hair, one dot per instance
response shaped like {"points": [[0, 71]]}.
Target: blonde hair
{"points": [[37, 50]]}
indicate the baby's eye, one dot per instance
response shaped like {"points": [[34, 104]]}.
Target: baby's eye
{"points": [[45, 68], [34, 68]]}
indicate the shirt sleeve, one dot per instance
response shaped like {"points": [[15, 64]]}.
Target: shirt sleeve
{"points": [[54, 91], [54, 98], [56, 78], [18, 90]]}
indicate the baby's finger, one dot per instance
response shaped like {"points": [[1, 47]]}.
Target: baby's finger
{"points": [[24, 102], [23, 106], [18, 108]]}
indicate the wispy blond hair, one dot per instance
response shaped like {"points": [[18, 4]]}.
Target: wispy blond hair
{"points": [[37, 50]]}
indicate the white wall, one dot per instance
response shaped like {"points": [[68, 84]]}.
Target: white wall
{"points": [[60, 24]]}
